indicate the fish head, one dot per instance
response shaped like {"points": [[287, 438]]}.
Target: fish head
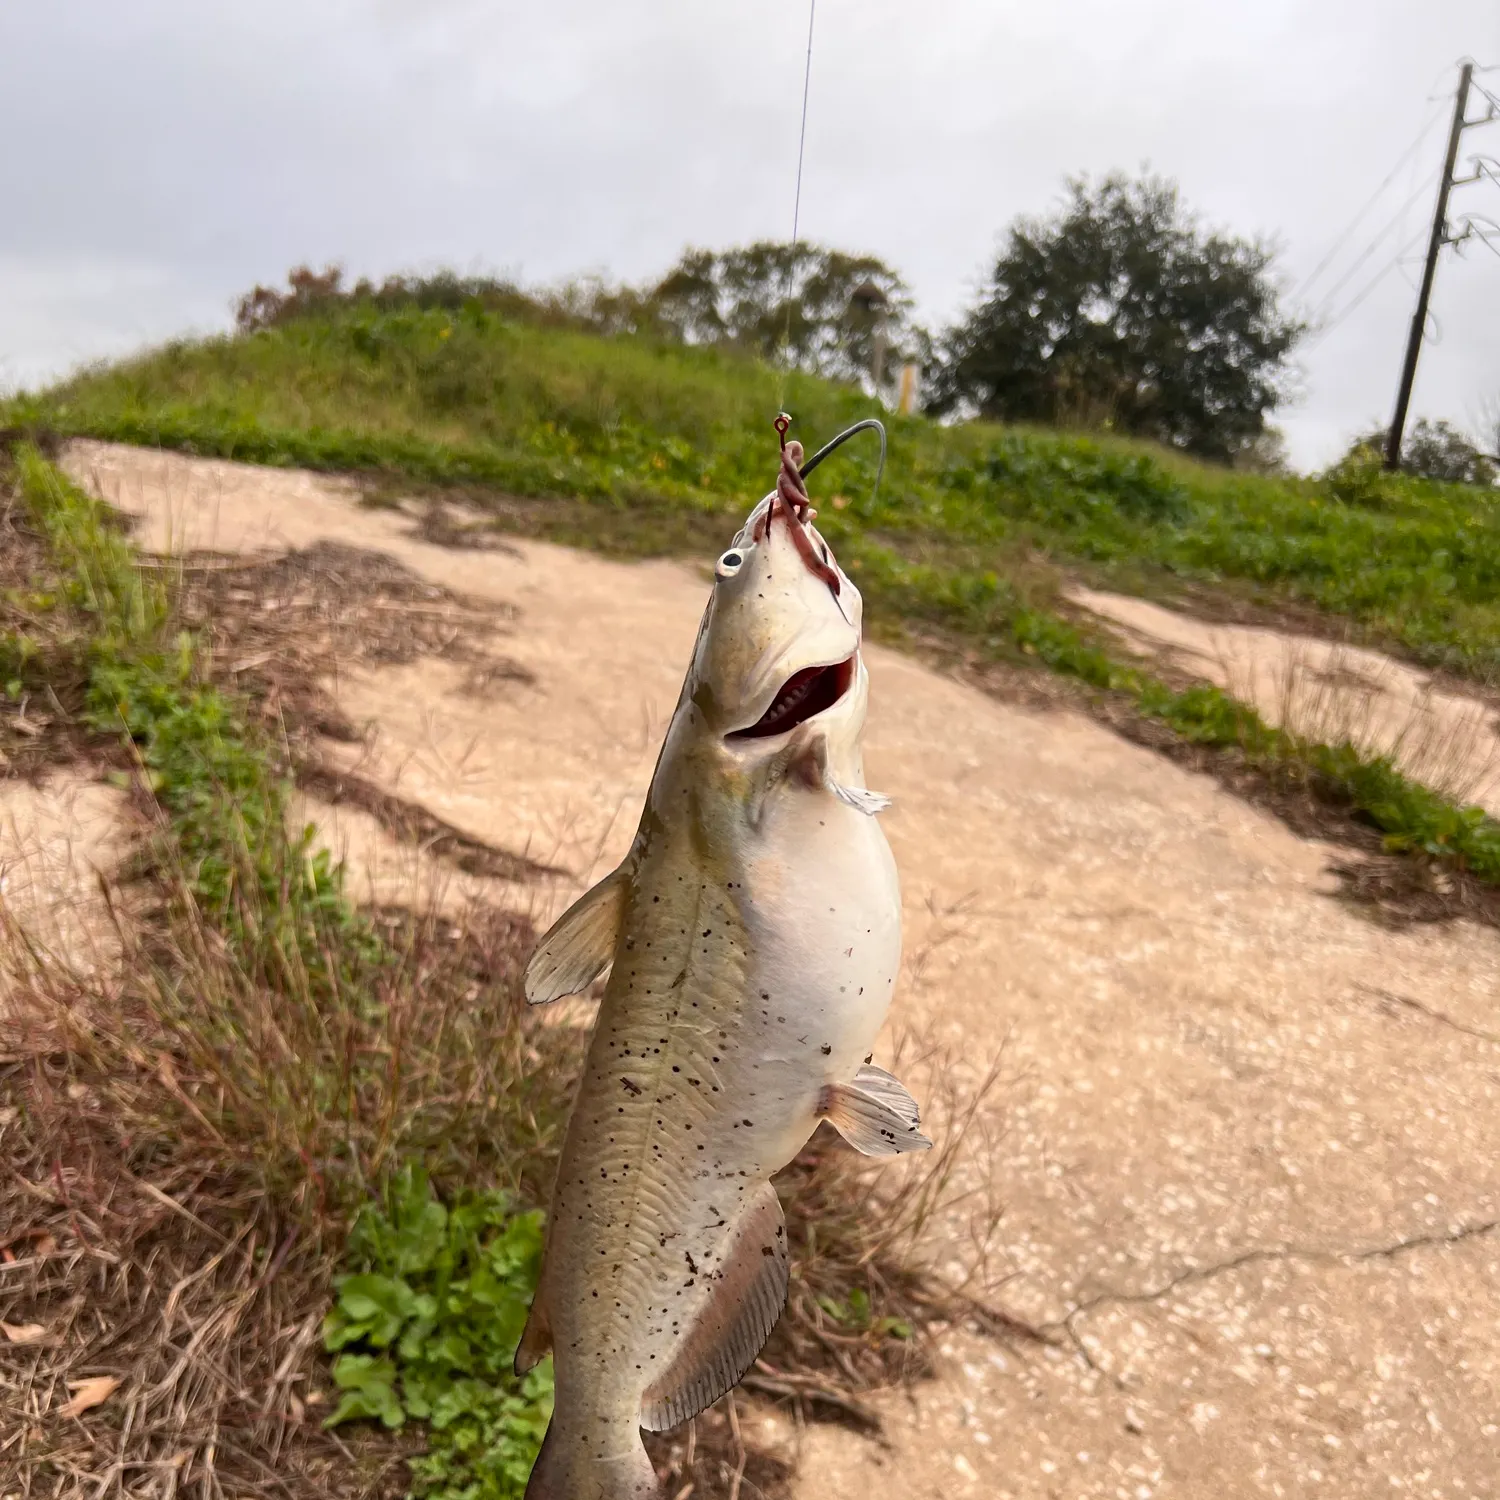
{"points": [[780, 641]]}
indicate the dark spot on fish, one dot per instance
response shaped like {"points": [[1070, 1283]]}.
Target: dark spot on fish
{"points": [[827, 1048]]}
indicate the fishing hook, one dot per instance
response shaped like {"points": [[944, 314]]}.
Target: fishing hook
{"points": [[838, 442]]}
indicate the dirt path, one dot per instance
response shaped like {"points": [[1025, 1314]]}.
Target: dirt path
{"points": [[1327, 691], [1248, 1143], [56, 839]]}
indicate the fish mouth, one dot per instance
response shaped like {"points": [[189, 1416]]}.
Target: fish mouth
{"points": [[802, 695]]}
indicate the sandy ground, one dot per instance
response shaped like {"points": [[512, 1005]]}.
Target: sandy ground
{"points": [[56, 839], [1248, 1141], [1327, 691]]}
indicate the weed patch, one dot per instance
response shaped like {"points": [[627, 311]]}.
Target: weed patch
{"points": [[426, 1327]]}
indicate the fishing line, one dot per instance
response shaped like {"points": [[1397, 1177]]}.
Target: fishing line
{"points": [[870, 423], [791, 264]]}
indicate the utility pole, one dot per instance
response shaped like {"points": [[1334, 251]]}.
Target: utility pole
{"points": [[1434, 244]]}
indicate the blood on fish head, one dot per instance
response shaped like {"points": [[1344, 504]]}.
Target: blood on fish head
{"points": [[779, 643]]}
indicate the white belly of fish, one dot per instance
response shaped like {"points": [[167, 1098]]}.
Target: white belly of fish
{"points": [[823, 917]]}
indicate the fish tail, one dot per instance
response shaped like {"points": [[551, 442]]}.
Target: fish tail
{"points": [[614, 1466]]}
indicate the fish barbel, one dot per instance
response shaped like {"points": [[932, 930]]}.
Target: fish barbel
{"points": [[753, 934]]}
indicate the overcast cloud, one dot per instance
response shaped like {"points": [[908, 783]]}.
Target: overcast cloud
{"points": [[163, 155]]}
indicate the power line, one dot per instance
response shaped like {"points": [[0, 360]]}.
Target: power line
{"points": [[1395, 262], [1396, 219], [1344, 236]]}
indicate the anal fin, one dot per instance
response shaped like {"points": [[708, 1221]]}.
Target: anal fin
{"points": [[875, 1114], [748, 1295], [580, 944]]}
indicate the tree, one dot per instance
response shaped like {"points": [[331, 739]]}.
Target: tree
{"points": [[824, 311], [1434, 450], [1120, 310]]}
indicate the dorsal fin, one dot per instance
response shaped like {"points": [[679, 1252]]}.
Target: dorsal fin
{"points": [[748, 1295], [580, 944]]}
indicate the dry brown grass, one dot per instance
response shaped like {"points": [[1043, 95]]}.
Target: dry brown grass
{"points": [[283, 627], [183, 1143]]}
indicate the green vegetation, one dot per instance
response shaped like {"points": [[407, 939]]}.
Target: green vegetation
{"points": [[1119, 308], [426, 1327], [470, 396]]}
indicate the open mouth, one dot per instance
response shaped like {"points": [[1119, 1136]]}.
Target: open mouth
{"points": [[802, 695]]}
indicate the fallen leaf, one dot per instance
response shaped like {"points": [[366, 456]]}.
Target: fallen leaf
{"points": [[22, 1333], [90, 1392]]}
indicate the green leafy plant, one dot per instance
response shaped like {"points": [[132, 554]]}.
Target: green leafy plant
{"points": [[426, 1326], [855, 1313]]}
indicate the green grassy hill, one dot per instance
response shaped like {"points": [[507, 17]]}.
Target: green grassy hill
{"points": [[976, 527], [470, 396]]}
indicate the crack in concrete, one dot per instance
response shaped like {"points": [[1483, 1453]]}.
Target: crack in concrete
{"points": [[1196, 1274], [1441, 1017]]}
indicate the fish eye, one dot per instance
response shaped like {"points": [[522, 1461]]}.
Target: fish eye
{"points": [[730, 563]]}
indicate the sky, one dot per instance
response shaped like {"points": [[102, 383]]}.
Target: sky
{"points": [[165, 155]]}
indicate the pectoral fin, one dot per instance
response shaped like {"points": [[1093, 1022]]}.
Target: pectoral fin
{"points": [[749, 1291], [860, 798], [580, 944], [875, 1114], [804, 762]]}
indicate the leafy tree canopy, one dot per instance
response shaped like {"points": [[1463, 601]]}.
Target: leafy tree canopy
{"points": [[1120, 310], [824, 310], [1434, 450]]}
